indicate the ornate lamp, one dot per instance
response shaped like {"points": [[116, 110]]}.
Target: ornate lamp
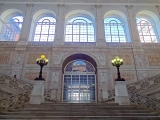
{"points": [[118, 62], [41, 62]]}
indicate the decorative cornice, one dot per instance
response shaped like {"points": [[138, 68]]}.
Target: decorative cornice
{"points": [[155, 2]]}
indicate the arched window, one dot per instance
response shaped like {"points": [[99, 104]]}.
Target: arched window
{"points": [[114, 30], [79, 29], [45, 29], [146, 31], [12, 28]]}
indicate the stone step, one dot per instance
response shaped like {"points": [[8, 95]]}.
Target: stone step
{"points": [[84, 110], [89, 113], [79, 117], [80, 108]]}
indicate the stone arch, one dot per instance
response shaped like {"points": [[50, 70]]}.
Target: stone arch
{"points": [[79, 12], [148, 13], [72, 56]]}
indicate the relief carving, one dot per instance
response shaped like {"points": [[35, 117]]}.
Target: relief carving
{"points": [[154, 60], [55, 78], [140, 60], [5, 58], [101, 57]]}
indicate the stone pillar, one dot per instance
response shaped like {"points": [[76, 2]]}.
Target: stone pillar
{"points": [[23, 39], [100, 36], [1, 21], [59, 34], [37, 94], [133, 29], [104, 84], [121, 93]]}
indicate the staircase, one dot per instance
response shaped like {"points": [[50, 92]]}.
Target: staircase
{"points": [[79, 111]]}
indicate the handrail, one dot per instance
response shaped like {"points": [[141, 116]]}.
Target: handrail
{"points": [[144, 100], [144, 84], [15, 83]]}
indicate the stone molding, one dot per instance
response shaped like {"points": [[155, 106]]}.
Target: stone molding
{"points": [[86, 1]]}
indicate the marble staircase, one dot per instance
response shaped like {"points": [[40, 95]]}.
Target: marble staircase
{"points": [[79, 111]]}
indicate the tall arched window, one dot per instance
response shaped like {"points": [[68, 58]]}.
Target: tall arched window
{"points": [[114, 30], [45, 29], [12, 28], [146, 31], [79, 29]]}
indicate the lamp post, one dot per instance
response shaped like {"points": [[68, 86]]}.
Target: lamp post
{"points": [[118, 62], [41, 62]]}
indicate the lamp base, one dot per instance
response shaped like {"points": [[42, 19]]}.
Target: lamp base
{"points": [[39, 79], [120, 79]]}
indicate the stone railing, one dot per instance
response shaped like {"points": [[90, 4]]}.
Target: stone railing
{"points": [[37, 43], [118, 44], [139, 99], [14, 83], [144, 84], [79, 44], [8, 43], [144, 101], [14, 101]]}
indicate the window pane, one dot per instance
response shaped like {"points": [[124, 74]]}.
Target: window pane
{"points": [[81, 29], [114, 30], [45, 29]]}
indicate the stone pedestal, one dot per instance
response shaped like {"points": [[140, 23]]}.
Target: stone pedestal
{"points": [[37, 94], [121, 93], [104, 95]]}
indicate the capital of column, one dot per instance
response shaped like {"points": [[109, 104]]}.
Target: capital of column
{"points": [[158, 7], [61, 5], [129, 6], [30, 4], [98, 6]]}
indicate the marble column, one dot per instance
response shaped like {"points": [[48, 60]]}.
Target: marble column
{"points": [[100, 36]]}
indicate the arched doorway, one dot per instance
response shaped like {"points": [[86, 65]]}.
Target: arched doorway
{"points": [[79, 82]]}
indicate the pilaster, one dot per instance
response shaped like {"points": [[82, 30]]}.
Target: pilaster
{"points": [[26, 26], [137, 46], [59, 34], [100, 36]]}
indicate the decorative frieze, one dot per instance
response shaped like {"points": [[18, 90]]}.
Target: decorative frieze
{"points": [[125, 44], [5, 57], [154, 59]]}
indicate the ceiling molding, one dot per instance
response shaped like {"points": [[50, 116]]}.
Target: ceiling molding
{"points": [[103, 2]]}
